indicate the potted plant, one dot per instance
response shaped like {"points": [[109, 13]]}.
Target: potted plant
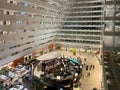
{"points": [[4, 71]]}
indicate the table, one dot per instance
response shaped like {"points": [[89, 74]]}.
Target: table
{"points": [[20, 87], [76, 88], [17, 76], [3, 77], [11, 74], [19, 70], [25, 89]]}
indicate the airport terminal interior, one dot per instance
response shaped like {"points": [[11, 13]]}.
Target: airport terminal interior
{"points": [[59, 44]]}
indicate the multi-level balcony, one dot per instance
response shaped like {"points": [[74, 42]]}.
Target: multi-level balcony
{"points": [[82, 22]]}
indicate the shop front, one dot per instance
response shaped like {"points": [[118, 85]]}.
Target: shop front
{"points": [[51, 47], [28, 58], [17, 62]]}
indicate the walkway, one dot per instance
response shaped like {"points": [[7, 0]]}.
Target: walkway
{"points": [[94, 80]]}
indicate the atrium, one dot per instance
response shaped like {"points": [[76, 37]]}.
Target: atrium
{"points": [[59, 45]]}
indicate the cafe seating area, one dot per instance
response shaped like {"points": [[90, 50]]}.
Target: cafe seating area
{"points": [[58, 73], [64, 75], [13, 78]]}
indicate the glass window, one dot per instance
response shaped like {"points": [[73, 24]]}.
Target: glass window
{"points": [[108, 41], [117, 41], [117, 22], [117, 25], [117, 10], [109, 24], [109, 10]]}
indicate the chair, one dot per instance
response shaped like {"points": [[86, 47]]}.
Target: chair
{"points": [[76, 74], [58, 77]]}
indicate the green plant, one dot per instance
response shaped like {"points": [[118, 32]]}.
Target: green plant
{"points": [[39, 83], [4, 71]]}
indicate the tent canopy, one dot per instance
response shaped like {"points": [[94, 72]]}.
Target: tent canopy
{"points": [[49, 56]]}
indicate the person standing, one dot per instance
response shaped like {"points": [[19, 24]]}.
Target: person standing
{"points": [[84, 59], [90, 67], [87, 67], [93, 66], [30, 73], [88, 74]]}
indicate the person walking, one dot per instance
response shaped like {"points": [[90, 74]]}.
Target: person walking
{"points": [[88, 74], [87, 67], [84, 59], [90, 67], [93, 66]]}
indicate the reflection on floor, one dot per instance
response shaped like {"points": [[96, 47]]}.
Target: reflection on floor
{"points": [[91, 78], [95, 78]]}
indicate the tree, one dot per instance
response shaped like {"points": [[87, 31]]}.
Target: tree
{"points": [[39, 83], [74, 51]]}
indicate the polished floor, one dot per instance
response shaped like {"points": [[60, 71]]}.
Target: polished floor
{"points": [[95, 78], [86, 82]]}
